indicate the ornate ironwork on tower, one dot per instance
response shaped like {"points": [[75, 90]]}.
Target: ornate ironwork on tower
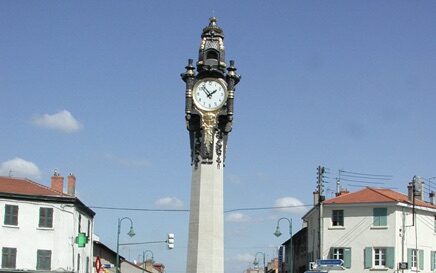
{"points": [[209, 98]]}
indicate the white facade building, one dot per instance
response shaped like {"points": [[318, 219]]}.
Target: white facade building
{"points": [[40, 227], [374, 230]]}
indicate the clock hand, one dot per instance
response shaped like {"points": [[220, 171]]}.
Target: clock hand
{"points": [[205, 91], [214, 91]]}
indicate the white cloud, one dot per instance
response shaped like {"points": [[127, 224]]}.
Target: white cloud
{"points": [[169, 202], [62, 121], [19, 167], [290, 204], [237, 217]]}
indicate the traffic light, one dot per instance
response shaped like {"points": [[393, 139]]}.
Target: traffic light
{"points": [[170, 240]]}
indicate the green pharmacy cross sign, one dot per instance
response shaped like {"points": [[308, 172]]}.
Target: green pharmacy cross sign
{"points": [[82, 239]]}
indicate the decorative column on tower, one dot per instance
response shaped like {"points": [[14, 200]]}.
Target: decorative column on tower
{"points": [[209, 116]]}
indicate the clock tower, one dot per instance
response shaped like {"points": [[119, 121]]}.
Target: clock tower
{"points": [[210, 89]]}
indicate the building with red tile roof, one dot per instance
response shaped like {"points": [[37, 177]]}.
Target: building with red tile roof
{"points": [[376, 195], [374, 229], [44, 228]]}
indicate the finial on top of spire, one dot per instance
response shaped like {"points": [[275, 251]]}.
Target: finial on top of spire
{"points": [[212, 21], [213, 29]]}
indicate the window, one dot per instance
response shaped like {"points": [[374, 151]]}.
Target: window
{"points": [[380, 217], [11, 215], [435, 224], [80, 223], [87, 265], [212, 55], [46, 217], [338, 218], [338, 253], [78, 262], [342, 253], [415, 258], [9, 257], [89, 228], [433, 260], [43, 259], [379, 257]]}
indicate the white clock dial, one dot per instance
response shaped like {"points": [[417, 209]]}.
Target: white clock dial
{"points": [[209, 94]]}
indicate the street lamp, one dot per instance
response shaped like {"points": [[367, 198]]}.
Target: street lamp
{"points": [[256, 262], [144, 258], [144, 255], [277, 233], [131, 233]]}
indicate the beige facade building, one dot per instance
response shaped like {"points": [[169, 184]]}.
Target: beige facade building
{"points": [[374, 229]]}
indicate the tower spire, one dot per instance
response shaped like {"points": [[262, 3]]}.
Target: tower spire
{"points": [[211, 56]]}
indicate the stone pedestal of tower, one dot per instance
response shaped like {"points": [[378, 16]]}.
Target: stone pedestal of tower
{"points": [[206, 226]]}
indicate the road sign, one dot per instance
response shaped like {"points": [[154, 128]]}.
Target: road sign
{"points": [[330, 262], [98, 264], [403, 265]]}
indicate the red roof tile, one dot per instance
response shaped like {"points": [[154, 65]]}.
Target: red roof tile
{"points": [[26, 187], [375, 195]]}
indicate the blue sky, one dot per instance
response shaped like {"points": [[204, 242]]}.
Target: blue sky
{"points": [[93, 88]]}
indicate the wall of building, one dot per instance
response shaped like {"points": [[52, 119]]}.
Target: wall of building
{"points": [[27, 237], [359, 233]]}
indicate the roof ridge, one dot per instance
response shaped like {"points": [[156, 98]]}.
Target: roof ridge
{"points": [[42, 186], [344, 195], [387, 196]]}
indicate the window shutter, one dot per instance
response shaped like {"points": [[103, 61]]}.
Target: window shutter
{"points": [[432, 259], [347, 257], [368, 257], [421, 259], [331, 253], [50, 217], [376, 220], [380, 216], [384, 218], [390, 257], [409, 258], [15, 215], [41, 216]]}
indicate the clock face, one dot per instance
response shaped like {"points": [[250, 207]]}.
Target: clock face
{"points": [[209, 94]]}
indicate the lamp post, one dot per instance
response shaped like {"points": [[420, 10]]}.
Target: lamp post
{"points": [[277, 233], [144, 258], [256, 263], [131, 233]]}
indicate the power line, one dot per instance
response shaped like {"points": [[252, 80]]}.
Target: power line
{"points": [[362, 181], [364, 177], [186, 210], [367, 174], [268, 208], [139, 209]]}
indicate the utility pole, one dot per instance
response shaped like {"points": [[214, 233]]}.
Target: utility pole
{"points": [[321, 198]]}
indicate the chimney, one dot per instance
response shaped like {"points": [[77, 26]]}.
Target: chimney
{"points": [[410, 192], [433, 198], [71, 190], [315, 198], [342, 192], [57, 182]]}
